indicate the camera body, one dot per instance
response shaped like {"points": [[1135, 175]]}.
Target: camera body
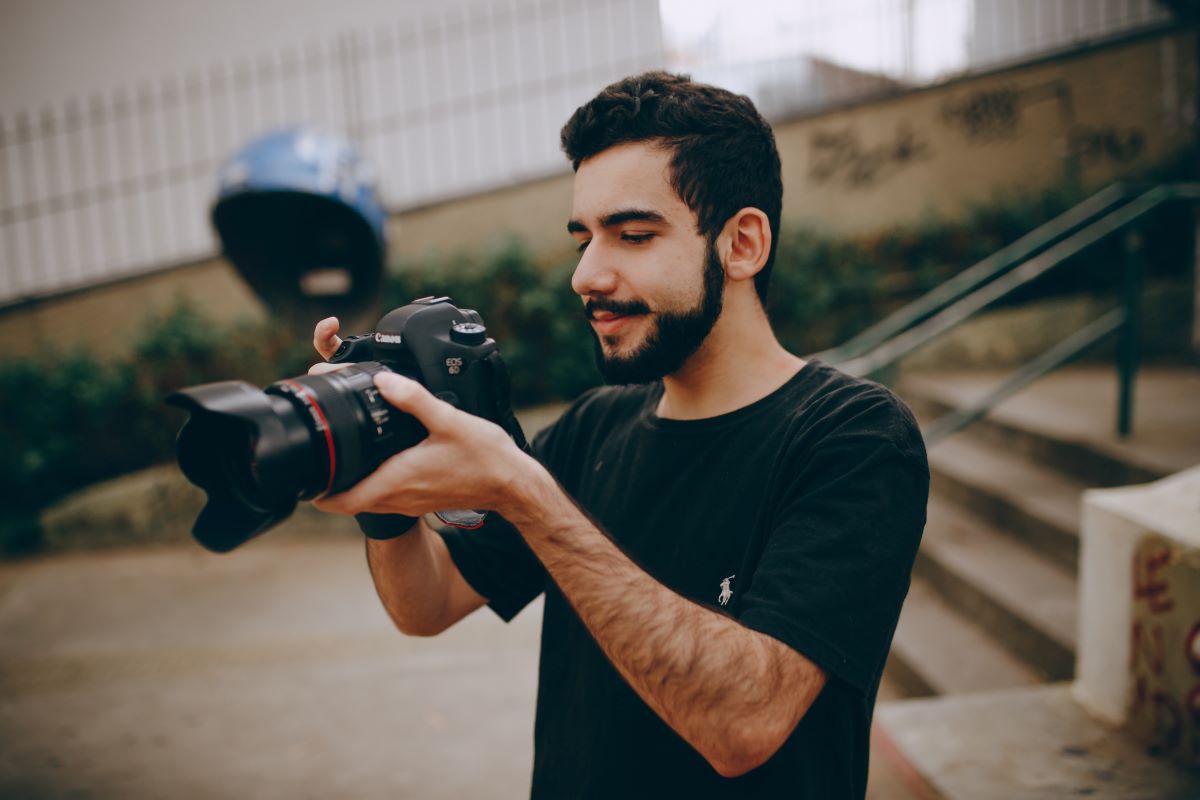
{"points": [[445, 348], [257, 453]]}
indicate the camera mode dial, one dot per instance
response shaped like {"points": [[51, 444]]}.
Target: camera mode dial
{"points": [[468, 333]]}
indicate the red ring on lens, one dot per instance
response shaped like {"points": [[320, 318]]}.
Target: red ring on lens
{"points": [[310, 399]]}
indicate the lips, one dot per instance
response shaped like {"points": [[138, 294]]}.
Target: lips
{"points": [[607, 322]]}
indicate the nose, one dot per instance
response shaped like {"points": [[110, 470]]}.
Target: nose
{"points": [[594, 274]]}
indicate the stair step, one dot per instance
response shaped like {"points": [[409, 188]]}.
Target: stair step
{"points": [[1024, 744], [937, 651], [1078, 459], [1036, 505], [1019, 597], [1066, 420]]}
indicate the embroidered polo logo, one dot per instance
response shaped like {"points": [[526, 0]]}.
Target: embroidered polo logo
{"points": [[726, 592]]}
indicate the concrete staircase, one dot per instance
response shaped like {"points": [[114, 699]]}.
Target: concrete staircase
{"points": [[992, 611], [993, 600]]}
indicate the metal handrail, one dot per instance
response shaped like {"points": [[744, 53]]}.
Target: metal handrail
{"points": [[1124, 320], [1003, 260], [1061, 353]]}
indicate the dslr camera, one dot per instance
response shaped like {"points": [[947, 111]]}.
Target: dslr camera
{"points": [[257, 453]]}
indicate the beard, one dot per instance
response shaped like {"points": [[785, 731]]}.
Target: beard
{"points": [[676, 335]]}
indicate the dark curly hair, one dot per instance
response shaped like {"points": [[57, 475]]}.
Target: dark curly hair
{"points": [[723, 152]]}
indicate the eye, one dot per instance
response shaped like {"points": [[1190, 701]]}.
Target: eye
{"points": [[582, 246], [637, 238]]}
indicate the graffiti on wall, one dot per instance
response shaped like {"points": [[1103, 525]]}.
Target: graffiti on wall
{"points": [[841, 156], [1094, 144], [1164, 706], [853, 158], [984, 115], [998, 113]]}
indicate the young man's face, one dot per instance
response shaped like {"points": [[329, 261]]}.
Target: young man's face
{"points": [[651, 284]]}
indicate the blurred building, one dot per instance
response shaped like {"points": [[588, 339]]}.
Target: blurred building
{"points": [[115, 115]]}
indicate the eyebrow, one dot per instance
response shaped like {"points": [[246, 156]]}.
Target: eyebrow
{"points": [[619, 217]]}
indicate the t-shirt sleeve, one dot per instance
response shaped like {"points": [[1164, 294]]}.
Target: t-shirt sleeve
{"points": [[836, 566], [498, 564]]}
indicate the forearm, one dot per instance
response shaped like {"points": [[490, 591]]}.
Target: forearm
{"points": [[410, 573], [717, 683]]}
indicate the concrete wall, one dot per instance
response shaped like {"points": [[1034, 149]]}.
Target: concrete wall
{"points": [[536, 211], [106, 320], [1092, 116], [1096, 115]]}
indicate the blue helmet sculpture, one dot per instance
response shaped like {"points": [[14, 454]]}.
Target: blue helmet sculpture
{"points": [[299, 216]]}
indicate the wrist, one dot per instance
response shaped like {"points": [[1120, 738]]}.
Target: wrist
{"points": [[384, 526], [525, 491]]}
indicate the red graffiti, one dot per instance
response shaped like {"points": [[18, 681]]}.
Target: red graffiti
{"points": [[1165, 694], [1149, 584]]}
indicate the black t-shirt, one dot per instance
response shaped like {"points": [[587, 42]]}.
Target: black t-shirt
{"points": [[810, 501]]}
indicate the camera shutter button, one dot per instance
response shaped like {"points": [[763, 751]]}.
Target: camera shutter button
{"points": [[468, 333]]}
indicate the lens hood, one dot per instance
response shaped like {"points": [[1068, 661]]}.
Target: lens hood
{"points": [[236, 447]]}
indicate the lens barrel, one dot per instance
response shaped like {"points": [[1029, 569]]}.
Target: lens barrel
{"points": [[256, 453]]}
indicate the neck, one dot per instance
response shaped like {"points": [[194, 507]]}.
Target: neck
{"points": [[739, 363]]}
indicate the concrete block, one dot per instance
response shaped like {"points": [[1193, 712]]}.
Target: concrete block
{"points": [[1139, 640]]}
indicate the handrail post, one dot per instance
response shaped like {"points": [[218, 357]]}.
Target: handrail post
{"points": [[1129, 342]]}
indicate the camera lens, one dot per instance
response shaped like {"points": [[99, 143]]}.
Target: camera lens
{"points": [[256, 453], [238, 465]]}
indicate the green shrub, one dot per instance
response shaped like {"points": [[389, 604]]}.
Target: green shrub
{"points": [[71, 419]]}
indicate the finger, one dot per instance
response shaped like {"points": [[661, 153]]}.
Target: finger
{"points": [[322, 367], [367, 493], [325, 337], [413, 398]]}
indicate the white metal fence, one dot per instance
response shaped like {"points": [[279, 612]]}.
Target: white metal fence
{"points": [[458, 101], [1009, 30], [441, 104]]}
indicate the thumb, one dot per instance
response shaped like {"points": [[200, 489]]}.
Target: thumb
{"points": [[325, 338], [411, 397]]}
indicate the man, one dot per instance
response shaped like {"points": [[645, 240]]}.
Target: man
{"points": [[725, 543]]}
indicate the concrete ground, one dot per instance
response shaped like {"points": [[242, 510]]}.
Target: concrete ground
{"points": [[1030, 744], [270, 672]]}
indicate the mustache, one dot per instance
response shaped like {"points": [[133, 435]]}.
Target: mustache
{"points": [[614, 306]]}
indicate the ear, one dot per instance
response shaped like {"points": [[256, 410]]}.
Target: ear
{"points": [[745, 243]]}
